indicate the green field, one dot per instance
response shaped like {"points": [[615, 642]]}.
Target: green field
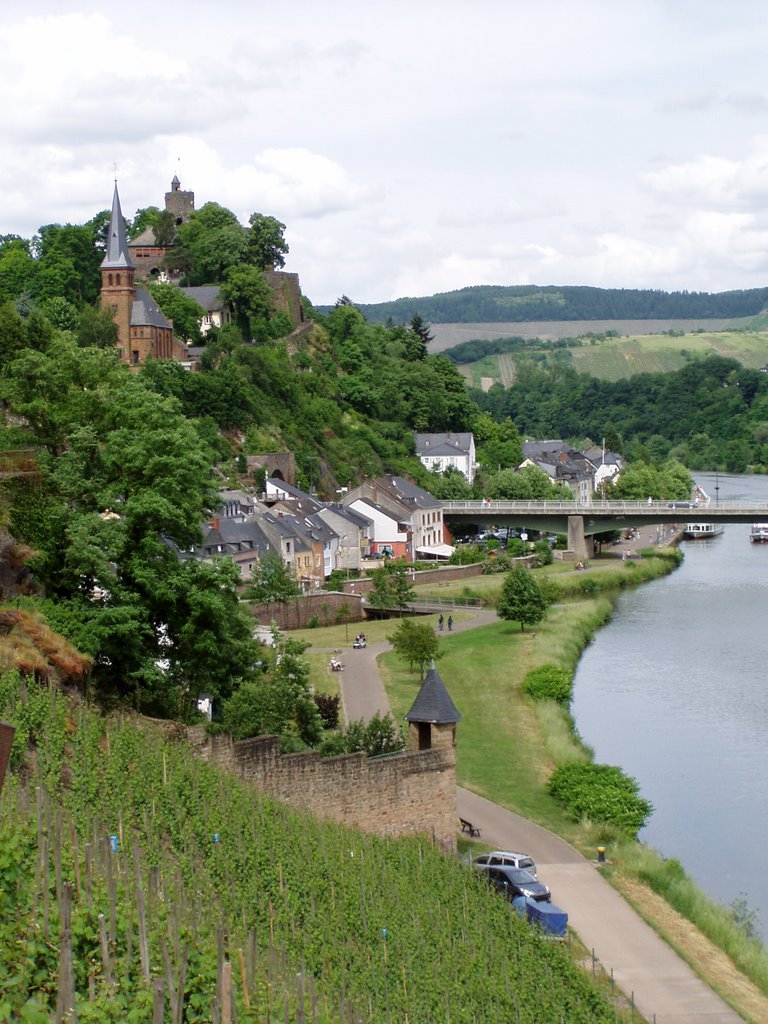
{"points": [[617, 358]]}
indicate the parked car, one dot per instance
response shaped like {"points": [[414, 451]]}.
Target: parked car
{"points": [[680, 504], [515, 882], [507, 858]]}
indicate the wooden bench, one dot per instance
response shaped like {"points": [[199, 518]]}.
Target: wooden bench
{"points": [[467, 826]]}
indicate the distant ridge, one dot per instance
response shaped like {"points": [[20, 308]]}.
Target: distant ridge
{"points": [[521, 303]]}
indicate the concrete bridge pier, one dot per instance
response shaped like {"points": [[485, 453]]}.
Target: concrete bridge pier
{"points": [[578, 543]]}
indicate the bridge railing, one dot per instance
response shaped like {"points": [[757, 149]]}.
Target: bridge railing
{"points": [[602, 507]]}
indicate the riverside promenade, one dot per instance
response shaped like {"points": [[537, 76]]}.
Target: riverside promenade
{"points": [[665, 990]]}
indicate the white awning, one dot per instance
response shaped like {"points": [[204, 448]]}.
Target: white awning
{"points": [[438, 551]]}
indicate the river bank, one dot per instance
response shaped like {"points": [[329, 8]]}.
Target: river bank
{"points": [[509, 747]]}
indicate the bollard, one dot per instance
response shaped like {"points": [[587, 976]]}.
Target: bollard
{"points": [[601, 855]]}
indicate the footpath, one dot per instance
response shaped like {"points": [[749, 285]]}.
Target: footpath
{"points": [[664, 988]]}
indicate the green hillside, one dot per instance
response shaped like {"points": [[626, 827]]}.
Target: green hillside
{"points": [[614, 358], [519, 303], [320, 923]]}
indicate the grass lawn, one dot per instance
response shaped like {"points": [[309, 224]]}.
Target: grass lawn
{"points": [[500, 750]]}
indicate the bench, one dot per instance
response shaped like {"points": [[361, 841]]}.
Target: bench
{"points": [[467, 826]]}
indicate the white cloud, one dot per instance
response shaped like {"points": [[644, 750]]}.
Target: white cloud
{"points": [[408, 148]]}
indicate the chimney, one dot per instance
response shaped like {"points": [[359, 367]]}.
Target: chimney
{"points": [[214, 522]]}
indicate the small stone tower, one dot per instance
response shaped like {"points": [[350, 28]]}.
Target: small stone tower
{"points": [[179, 203], [433, 716], [117, 276]]}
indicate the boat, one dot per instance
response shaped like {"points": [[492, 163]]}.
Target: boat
{"points": [[702, 531], [758, 533]]}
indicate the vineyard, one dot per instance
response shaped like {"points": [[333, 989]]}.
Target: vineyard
{"points": [[618, 358], [140, 884]]}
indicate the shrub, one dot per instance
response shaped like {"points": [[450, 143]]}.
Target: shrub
{"points": [[549, 682], [600, 792], [328, 706], [543, 553]]}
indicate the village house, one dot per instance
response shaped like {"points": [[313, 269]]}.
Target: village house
{"points": [[563, 465], [439, 452], [407, 520]]}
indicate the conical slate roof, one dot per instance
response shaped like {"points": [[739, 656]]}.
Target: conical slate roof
{"points": [[433, 702], [117, 257]]}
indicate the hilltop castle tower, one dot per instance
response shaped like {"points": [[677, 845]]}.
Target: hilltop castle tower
{"points": [[179, 203]]}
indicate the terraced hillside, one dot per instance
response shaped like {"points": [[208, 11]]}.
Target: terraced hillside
{"points": [[140, 884]]}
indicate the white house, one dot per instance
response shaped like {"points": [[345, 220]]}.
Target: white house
{"points": [[447, 451]]}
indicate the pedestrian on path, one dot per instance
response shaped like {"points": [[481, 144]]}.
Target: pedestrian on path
{"points": [[450, 623], [440, 623]]}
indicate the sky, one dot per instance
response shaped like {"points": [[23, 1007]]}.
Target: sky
{"points": [[409, 147]]}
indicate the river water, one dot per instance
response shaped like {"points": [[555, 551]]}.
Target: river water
{"points": [[675, 690]]}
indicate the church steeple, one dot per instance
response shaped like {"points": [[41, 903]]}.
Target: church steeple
{"points": [[117, 257], [117, 272]]}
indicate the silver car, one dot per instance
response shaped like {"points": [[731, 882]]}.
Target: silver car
{"points": [[506, 858]]}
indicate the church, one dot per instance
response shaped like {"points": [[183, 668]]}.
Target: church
{"points": [[143, 331]]}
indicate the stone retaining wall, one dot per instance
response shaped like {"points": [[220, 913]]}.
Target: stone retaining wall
{"points": [[412, 793]]}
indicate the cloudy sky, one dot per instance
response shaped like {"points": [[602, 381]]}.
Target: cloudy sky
{"points": [[409, 147]]}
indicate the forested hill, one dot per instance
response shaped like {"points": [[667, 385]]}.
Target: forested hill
{"points": [[520, 303]]}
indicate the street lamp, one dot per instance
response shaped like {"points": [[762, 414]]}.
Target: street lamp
{"points": [[717, 488]]}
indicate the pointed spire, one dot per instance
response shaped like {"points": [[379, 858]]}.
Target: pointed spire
{"points": [[433, 702], [117, 257]]}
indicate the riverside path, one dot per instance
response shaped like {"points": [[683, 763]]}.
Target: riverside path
{"points": [[664, 988]]}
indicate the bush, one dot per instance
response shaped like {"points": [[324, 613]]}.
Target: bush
{"points": [[543, 553], [501, 563], [381, 735], [600, 792], [549, 682], [328, 706]]}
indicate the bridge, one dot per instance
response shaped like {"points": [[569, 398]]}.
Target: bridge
{"points": [[580, 522]]}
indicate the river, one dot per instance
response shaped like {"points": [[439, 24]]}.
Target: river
{"points": [[675, 690]]}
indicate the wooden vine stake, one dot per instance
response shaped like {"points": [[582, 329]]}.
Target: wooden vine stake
{"points": [[226, 993], [65, 1001]]}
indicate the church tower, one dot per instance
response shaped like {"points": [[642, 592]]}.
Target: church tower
{"points": [[117, 272]]}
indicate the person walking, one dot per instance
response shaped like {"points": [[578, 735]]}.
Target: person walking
{"points": [[450, 623], [440, 622]]}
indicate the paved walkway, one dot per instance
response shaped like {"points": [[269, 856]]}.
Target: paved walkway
{"points": [[643, 965]]}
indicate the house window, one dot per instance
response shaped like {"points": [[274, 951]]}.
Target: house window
{"points": [[135, 356]]}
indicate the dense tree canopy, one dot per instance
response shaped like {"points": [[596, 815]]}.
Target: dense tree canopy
{"points": [[710, 414]]}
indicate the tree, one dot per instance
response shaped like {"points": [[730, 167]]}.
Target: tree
{"points": [[392, 588], [521, 599], [278, 702], [451, 485], [416, 643], [210, 242], [273, 582], [247, 290], [181, 309], [417, 339], [266, 247], [97, 328], [61, 313]]}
